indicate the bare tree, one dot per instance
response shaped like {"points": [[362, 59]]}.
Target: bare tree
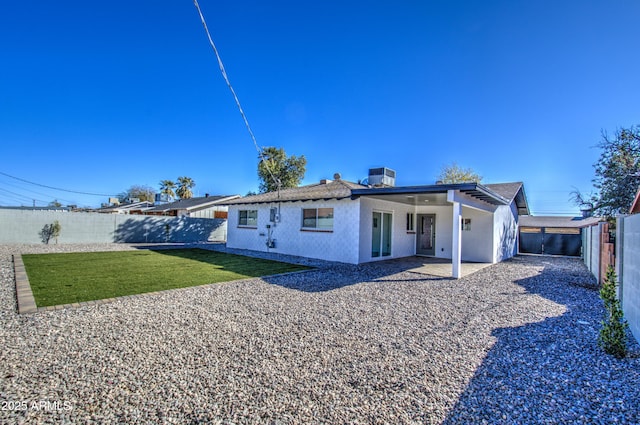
{"points": [[453, 173]]}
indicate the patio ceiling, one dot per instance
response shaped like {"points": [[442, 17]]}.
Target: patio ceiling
{"points": [[430, 195], [426, 199]]}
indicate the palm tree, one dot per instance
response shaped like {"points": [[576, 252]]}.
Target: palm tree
{"points": [[185, 184], [166, 188]]}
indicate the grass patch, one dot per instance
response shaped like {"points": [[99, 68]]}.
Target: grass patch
{"points": [[75, 277]]}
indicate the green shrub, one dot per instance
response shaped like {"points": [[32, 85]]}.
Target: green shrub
{"points": [[613, 335], [50, 231]]}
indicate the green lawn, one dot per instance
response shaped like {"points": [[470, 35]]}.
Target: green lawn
{"points": [[69, 278]]}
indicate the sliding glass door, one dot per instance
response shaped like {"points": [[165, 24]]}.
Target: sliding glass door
{"points": [[381, 234]]}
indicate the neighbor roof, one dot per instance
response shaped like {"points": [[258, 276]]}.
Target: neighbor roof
{"points": [[550, 221], [192, 203], [126, 207], [326, 189]]}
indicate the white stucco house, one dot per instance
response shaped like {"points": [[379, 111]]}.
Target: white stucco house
{"points": [[337, 220]]}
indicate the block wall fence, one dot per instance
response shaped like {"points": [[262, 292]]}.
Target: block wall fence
{"points": [[25, 226], [628, 269]]}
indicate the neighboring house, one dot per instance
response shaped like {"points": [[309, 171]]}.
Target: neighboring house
{"points": [[352, 223], [49, 208], [126, 208], [635, 206], [200, 207], [554, 235]]}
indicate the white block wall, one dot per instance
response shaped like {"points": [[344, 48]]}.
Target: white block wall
{"points": [[505, 233], [24, 226], [478, 243], [629, 266], [492, 237], [591, 248], [444, 228], [341, 244], [402, 243]]}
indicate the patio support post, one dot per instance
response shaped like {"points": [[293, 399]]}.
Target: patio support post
{"points": [[456, 243]]}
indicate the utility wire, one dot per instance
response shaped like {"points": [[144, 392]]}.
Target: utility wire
{"points": [[57, 198], [235, 97], [54, 188], [22, 196]]}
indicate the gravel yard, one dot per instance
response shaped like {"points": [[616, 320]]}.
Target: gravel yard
{"points": [[513, 343]]}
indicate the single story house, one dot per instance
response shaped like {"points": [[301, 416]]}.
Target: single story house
{"points": [[126, 208], [338, 220], [199, 207]]}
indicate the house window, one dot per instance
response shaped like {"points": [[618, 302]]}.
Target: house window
{"points": [[410, 223], [248, 218], [317, 218], [466, 224]]}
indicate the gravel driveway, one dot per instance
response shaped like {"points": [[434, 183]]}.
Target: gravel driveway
{"points": [[512, 343]]}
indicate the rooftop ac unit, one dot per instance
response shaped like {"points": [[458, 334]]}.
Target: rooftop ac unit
{"points": [[382, 177]]}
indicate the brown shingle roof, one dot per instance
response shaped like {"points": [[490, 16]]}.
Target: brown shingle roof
{"points": [[512, 191], [327, 189], [506, 190]]}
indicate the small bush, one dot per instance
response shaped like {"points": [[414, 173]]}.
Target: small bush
{"points": [[613, 335], [50, 231]]}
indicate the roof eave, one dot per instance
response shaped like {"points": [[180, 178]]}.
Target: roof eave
{"points": [[473, 189], [273, 201]]}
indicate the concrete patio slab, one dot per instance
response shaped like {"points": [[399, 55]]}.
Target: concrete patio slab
{"points": [[442, 267]]}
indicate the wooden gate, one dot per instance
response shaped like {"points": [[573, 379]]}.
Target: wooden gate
{"points": [[607, 251]]}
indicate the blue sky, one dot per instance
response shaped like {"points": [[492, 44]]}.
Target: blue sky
{"points": [[98, 96]]}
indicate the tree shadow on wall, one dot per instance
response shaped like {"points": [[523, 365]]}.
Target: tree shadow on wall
{"points": [[535, 373], [163, 230]]}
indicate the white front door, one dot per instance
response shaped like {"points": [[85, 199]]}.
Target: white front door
{"points": [[426, 240]]}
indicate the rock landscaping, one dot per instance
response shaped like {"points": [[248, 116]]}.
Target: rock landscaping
{"points": [[371, 344]]}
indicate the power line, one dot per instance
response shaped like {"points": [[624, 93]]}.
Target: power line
{"points": [[235, 97], [57, 198], [55, 188], [21, 196]]}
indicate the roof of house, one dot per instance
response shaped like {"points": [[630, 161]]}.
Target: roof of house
{"points": [[635, 206], [513, 192], [125, 207], [550, 221], [191, 204], [326, 189], [497, 194]]}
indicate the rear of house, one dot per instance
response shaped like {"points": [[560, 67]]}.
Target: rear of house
{"points": [[337, 220]]}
